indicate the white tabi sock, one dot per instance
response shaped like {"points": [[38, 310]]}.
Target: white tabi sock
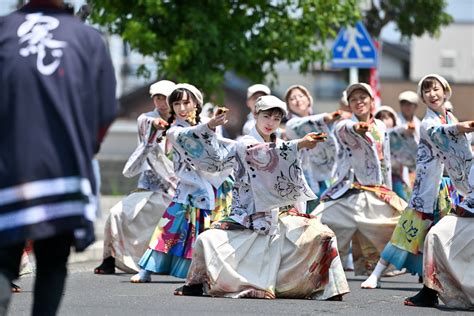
{"points": [[373, 280]]}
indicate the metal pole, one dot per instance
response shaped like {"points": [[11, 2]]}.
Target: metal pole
{"points": [[353, 75]]}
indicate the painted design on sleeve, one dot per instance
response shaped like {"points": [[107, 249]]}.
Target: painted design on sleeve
{"points": [[425, 152], [290, 186], [191, 144], [262, 157]]}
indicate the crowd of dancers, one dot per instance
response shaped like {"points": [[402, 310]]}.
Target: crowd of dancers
{"points": [[283, 210]]}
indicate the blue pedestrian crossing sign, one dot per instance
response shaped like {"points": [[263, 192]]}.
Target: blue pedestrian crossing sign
{"points": [[354, 47]]}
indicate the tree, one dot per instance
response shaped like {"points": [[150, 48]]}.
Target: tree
{"points": [[412, 17], [198, 41]]}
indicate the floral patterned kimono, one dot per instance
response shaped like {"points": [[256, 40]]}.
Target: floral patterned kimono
{"points": [[266, 248], [448, 249], [203, 164], [360, 206], [319, 163], [432, 195], [131, 221]]}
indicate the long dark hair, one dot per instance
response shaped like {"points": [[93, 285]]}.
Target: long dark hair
{"points": [[178, 95]]}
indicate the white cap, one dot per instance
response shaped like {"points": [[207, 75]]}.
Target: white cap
{"points": [[359, 86], [257, 88], [409, 96], [444, 82], [301, 88], [191, 89], [164, 87], [388, 109], [268, 102]]}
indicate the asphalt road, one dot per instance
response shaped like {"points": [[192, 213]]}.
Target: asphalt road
{"points": [[88, 294]]}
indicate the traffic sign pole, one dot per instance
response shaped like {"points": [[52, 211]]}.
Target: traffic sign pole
{"points": [[353, 75]]}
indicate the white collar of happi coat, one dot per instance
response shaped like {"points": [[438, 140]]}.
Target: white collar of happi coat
{"points": [[181, 122], [255, 134], [432, 114], [355, 119]]}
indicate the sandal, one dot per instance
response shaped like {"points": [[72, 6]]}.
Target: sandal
{"points": [[189, 290], [425, 298], [15, 288], [106, 267]]}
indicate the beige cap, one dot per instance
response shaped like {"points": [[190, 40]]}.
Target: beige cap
{"points": [[359, 86], [303, 89], [164, 87], [344, 98], [268, 102], [409, 96], [444, 82], [257, 88], [191, 88]]}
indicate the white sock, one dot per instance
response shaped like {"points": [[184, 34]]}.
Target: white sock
{"points": [[379, 269], [373, 280], [144, 274]]}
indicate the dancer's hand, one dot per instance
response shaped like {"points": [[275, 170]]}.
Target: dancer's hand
{"points": [[310, 140], [361, 128], [331, 117], [465, 127], [159, 123], [218, 119], [410, 130]]}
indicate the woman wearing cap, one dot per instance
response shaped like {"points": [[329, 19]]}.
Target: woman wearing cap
{"points": [[408, 101], [253, 93], [447, 251], [266, 248], [403, 146], [131, 221], [318, 163], [202, 162], [360, 206]]}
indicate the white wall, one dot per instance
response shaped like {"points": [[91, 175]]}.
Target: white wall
{"points": [[391, 67], [454, 48]]}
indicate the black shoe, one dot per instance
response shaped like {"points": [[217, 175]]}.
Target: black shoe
{"points": [[190, 290], [106, 267], [425, 298]]}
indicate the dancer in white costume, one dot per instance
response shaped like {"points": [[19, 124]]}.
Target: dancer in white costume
{"points": [[448, 250], [131, 222], [360, 206], [320, 162], [266, 248]]}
